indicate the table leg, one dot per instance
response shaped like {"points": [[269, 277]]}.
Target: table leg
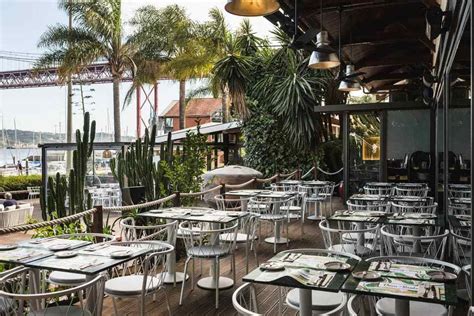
{"points": [[35, 279], [210, 283], [416, 245], [402, 307], [360, 236], [171, 276], [305, 302]]}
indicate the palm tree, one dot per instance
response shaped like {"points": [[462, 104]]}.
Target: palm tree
{"points": [[96, 35], [171, 33]]}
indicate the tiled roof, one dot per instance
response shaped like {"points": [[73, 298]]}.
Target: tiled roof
{"points": [[198, 107]]}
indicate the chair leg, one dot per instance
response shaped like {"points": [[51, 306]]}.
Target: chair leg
{"points": [[247, 256], [216, 275], [233, 268], [184, 280], [274, 238], [167, 301], [115, 306]]}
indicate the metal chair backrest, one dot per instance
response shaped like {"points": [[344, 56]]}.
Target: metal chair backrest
{"points": [[461, 247], [459, 209], [459, 190], [347, 239], [425, 262], [130, 231], [244, 300], [231, 204], [416, 189], [376, 188], [402, 208], [432, 246], [18, 300], [202, 241], [381, 206]]}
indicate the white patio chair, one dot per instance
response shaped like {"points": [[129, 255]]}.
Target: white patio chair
{"points": [[350, 240], [315, 195], [461, 247], [426, 246], [244, 300], [205, 244], [20, 297], [130, 231], [33, 192], [146, 278], [459, 190], [383, 189], [403, 208], [273, 211], [420, 190], [72, 279]]}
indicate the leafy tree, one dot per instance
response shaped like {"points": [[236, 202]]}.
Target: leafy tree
{"points": [[96, 35], [169, 35]]}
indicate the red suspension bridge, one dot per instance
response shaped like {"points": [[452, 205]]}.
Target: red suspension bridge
{"points": [[17, 72]]}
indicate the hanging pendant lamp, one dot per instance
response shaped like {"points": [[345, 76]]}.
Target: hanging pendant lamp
{"points": [[349, 83], [323, 57], [252, 7]]}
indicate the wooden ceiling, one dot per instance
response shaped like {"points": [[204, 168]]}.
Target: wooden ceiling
{"points": [[383, 38]]}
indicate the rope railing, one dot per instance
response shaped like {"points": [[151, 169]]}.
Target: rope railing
{"points": [[191, 194], [58, 221], [330, 173], [267, 179], [290, 175], [239, 186], [307, 174], [140, 205]]}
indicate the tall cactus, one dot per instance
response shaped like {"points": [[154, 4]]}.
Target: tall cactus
{"points": [[56, 199], [134, 165], [78, 202]]}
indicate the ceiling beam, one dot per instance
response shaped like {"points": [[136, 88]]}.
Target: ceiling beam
{"points": [[391, 76]]}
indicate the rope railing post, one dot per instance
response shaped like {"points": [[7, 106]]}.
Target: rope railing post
{"points": [[98, 220], [315, 170], [298, 173], [278, 177], [177, 199], [222, 189]]}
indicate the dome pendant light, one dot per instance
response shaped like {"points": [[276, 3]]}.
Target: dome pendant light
{"points": [[252, 7], [349, 83], [323, 57]]}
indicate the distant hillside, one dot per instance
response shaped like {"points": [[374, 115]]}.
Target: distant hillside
{"points": [[32, 139]]}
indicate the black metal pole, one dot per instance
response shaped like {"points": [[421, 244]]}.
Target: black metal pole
{"points": [[44, 172], [383, 146], [472, 155], [345, 150], [446, 101]]}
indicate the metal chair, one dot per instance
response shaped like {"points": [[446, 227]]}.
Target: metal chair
{"points": [[147, 274], [386, 306], [459, 190], [234, 204], [461, 247], [459, 209], [204, 244], [373, 206], [361, 305], [350, 240], [244, 300], [20, 297], [72, 279], [315, 195], [130, 231], [403, 208], [427, 246], [273, 211], [378, 188], [415, 189]]}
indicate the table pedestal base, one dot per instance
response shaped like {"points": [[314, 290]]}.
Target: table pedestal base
{"points": [[209, 283], [279, 240], [169, 278], [305, 302], [402, 307], [315, 218]]}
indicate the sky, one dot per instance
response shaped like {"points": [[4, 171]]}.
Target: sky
{"points": [[44, 109]]}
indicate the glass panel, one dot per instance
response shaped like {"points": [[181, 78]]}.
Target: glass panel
{"points": [[408, 146], [364, 150]]}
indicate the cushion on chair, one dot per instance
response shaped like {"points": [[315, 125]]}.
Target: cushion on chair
{"points": [[207, 251], [320, 300], [130, 285], [66, 278], [272, 217], [386, 307], [291, 208]]}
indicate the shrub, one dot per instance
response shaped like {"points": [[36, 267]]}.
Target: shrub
{"points": [[15, 183]]}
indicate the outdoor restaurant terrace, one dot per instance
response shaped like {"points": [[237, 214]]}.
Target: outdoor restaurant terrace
{"points": [[388, 233]]}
